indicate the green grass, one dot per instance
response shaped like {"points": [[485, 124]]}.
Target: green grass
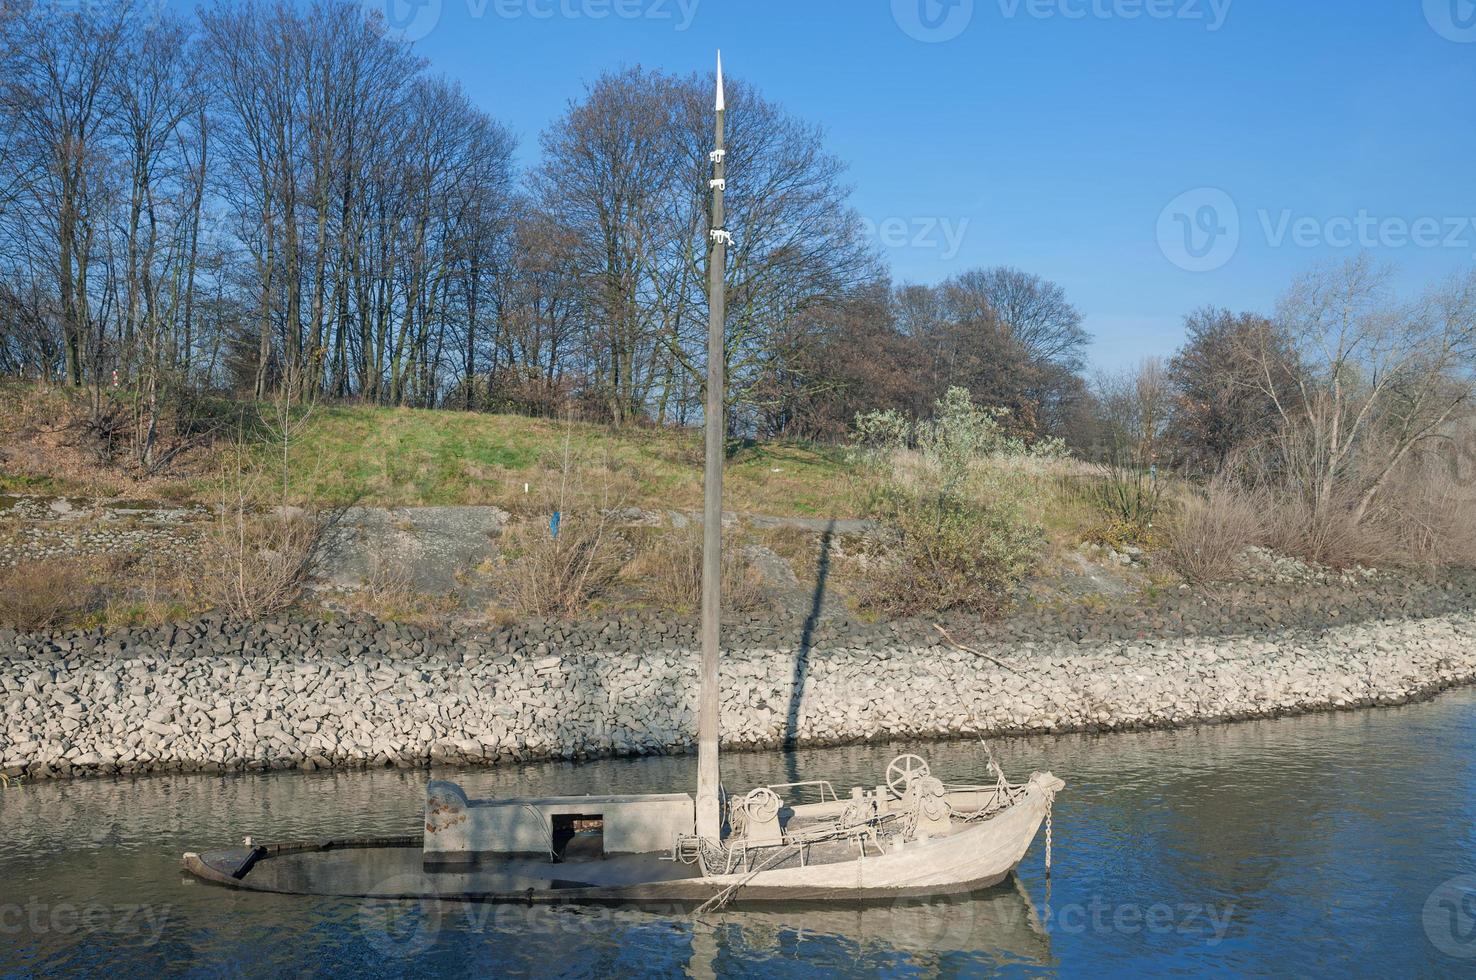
{"points": [[25, 484], [409, 457]]}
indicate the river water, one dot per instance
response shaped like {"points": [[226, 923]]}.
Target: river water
{"points": [[1341, 843]]}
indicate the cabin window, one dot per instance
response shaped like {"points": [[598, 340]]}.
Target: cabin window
{"points": [[579, 837]]}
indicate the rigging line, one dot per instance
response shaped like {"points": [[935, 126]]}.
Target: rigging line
{"points": [[1050, 803], [948, 637], [726, 895]]}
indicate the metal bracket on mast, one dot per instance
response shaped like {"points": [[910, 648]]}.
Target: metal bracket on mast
{"points": [[717, 156], [718, 185], [721, 236]]}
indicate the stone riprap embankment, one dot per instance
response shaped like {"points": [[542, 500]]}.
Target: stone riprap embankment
{"points": [[216, 696]]}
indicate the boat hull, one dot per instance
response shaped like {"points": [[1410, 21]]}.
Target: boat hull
{"points": [[976, 857]]}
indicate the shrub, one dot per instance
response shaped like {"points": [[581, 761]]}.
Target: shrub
{"points": [[1330, 535], [1128, 493], [879, 433], [1208, 533], [255, 564], [1425, 515], [670, 572], [948, 550], [41, 594], [959, 434], [957, 534], [1432, 514], [544, 576]]}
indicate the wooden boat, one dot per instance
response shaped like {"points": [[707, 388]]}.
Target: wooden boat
{"points": [[914, 837], [909, 836]]}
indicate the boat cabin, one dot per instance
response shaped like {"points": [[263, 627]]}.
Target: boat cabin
{"points": [[460, 832]]}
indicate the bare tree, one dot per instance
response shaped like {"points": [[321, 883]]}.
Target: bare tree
{"points": [[55, 100], [1035, 312], [1380, 378], [277, 198], [798, 250], [1136, 405], [609, 166]]}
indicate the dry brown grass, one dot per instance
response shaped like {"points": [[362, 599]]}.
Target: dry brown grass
{"points": [[38, 595], [50, 441], [252, 565], [549, 577], [1207, 533], [669, 570], [387, 594], [1431, 519], [1330, 535]]}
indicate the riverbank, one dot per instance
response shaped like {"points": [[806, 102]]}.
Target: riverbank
{"points": [[215, 696]]}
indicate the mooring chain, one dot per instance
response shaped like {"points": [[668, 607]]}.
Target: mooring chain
{"points": [[1050, 808], [1050, 800]]}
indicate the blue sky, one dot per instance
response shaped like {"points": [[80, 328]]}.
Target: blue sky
{"points": [[1115, 146]]}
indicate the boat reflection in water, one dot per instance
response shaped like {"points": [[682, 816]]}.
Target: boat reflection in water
{"points": [[1001, 925]]}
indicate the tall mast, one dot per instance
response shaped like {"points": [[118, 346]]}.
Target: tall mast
{"points": [[709, 815]]}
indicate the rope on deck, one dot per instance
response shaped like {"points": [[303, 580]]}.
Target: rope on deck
{"points": [[726, 895]]}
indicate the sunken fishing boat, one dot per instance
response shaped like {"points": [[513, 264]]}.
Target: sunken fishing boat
{"points": [[911, 835]]}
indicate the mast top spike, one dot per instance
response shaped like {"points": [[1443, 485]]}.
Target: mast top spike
{"points": [[721, 101]]}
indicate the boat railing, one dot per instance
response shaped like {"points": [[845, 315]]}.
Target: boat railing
{"points": [[822, 785]]}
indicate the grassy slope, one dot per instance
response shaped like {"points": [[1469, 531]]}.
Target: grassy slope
{"points": [[408, 457], [405, 457]]}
